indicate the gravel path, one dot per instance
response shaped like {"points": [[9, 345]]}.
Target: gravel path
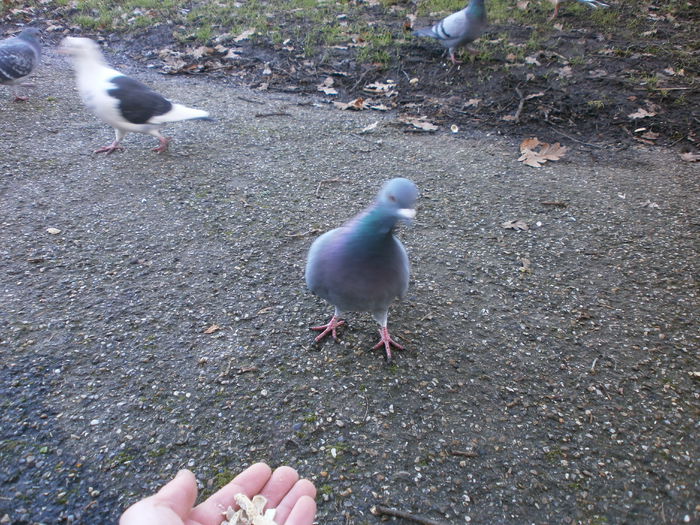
{"points": [[548, 372]]}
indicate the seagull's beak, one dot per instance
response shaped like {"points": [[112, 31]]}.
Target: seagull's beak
{"points": [[407, 213]]}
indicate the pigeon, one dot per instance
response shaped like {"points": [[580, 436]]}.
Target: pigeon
{"points": [[459, 28], [362, 266], [122, 102], [19, 56], [593, 3]]}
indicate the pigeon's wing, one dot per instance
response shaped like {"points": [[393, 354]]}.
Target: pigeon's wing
{"points": [[453, 27], [138, 103], [17, 60], [594, 3]]}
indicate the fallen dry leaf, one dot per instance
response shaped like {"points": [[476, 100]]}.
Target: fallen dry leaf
{"points": [[213, 328], [418, 123], [325, 87], [526, 263], [518, 225], [536, 158], [690, 157], [641, 113], [357, 104], [522, 4], [370, 127], [378, 88], [244, 35]]}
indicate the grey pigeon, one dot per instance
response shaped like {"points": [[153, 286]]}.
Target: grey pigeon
{"points": [[362, 266], [19, 56], [592, 3], [120, 101], [459, 28]]}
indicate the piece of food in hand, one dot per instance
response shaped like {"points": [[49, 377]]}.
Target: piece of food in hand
{"points": [[250, 512]]}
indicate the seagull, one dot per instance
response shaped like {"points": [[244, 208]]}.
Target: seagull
{"points": [[19, 56], [459, 28], [121, 101], [362, 266]]}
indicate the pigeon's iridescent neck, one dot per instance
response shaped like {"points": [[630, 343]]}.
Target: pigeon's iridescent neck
{"points": [[375, 223], [476, 7]]}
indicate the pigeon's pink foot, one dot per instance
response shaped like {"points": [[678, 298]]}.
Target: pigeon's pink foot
{"points": [[454, 60], [163, 145], [20, 99], [114, 146], [331, 328], [387, 341]]}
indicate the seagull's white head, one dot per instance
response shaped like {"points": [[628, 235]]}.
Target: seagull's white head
{"points": [[81, 49]]}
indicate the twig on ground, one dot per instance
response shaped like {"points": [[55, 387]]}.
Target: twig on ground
{"points": [[465, 453], [572, 138], [379, 509], [318, 188], [521, 105], [275, 114], [310, 232]]}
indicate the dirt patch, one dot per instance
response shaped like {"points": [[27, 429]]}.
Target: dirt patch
{"points": [[583, 77]]}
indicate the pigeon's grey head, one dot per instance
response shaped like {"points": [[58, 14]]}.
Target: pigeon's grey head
{"points": [[81, 48], [399, 195], [29, 33]]}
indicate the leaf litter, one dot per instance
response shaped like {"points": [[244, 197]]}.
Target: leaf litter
{"points": [[535, 153]]}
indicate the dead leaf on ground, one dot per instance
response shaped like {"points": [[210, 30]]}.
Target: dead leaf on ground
{"points": [[244, 35], [522, 4], [472, 102], [387, 89], [357, 104], [526, 263], [213, 328], [641, 113], [518, 225], [370, 127], [408, 23], [418, 123], [690, 156], [536, 158], [326, 87]]}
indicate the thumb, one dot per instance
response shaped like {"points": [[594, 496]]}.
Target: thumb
{"points": [[171, 504], [179, 494]]}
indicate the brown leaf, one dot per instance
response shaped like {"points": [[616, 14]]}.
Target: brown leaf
{"points": [[418, 122], [245, 35], [690, 157], [522, 4], [518, 225], [553, 151], [213, 328], [530, 143], [357, 104], [325, 87], [641, 113]]}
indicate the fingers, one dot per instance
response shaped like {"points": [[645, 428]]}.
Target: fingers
{"points": [[249, 482], [303, 512], [280, 483], [302, 490]]}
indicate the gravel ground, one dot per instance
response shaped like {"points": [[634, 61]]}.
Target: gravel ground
{"points": [[548, 372]]}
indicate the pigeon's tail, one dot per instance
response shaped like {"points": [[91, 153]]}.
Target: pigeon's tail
{"points": [[180, 112], [594, 3], [425, 31]]}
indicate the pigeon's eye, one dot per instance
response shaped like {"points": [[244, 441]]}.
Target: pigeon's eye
{"points": [[392, 198]]}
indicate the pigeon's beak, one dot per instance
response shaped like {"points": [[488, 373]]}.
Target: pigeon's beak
{"points": [[407, 213]]}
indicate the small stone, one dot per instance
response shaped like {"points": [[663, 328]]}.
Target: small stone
{"points": [[5, 519], [53, 231], [339, 423]]}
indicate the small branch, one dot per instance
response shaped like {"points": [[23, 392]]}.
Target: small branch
{"points": [[310, 232], [521, 105], [276, 114], [465, 453], [318, 188], [379, 509], [573, 138], [558, 204], [250, 100]]}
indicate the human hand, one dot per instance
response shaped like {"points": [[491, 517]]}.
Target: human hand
{"points": [[174, 503]]}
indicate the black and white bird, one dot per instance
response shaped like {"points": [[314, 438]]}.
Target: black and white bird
{"points": [[122, 102], [19, 56]]}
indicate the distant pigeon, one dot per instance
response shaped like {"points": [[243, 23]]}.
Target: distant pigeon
{"points": [[459, 28], [362, 266], [592, 3], [18, 57], [120, 101]]}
